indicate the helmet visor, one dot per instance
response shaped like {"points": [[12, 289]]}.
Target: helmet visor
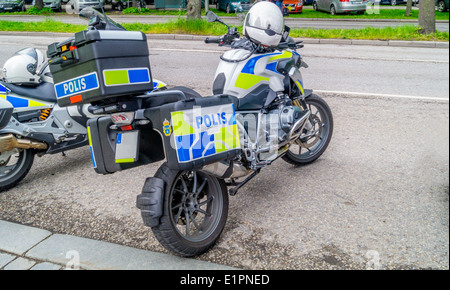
{"points": [[270, 24]]}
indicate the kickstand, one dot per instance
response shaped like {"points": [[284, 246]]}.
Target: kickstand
{"points": [[234, 190], [63, 154]]}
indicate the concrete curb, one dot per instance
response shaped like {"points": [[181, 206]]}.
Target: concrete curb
{"points": [[396, 43], [24, 247]]}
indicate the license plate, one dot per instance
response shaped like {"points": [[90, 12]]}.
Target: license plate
{"points": [[127, 147]]}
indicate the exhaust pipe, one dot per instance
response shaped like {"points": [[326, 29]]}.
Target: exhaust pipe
{"points": [[226, 169], [9, 142]]}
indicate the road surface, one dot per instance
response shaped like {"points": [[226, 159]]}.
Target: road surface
{"points": [[377, 199]]}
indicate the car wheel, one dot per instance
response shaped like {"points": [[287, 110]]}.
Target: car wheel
{"points": [[332, 10], [228, 8], [315, 6], [217, 6], [441, 6], [393, 2]]}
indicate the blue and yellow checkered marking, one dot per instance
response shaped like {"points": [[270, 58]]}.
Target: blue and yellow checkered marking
{"points": [[206, 134], [18, 102], [118, 77]]}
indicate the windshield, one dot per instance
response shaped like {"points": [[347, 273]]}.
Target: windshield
{"points": [[91, 14]]}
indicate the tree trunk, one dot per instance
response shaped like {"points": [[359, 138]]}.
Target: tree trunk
{"points": [[427, 16], [408, 8], [39, 4], [194, 9]]}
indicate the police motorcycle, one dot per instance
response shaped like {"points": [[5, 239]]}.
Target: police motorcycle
{"points": [[31, 121], [210, 146]]}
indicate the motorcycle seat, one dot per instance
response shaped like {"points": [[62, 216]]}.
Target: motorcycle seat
{"points": [[44, 91]]}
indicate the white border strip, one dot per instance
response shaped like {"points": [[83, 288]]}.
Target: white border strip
{"points": [[383, 95]]}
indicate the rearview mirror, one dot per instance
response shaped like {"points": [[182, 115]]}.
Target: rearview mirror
{"points": [[211, 17]]}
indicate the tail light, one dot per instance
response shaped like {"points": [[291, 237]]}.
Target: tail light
{"points": [[344, 0]]}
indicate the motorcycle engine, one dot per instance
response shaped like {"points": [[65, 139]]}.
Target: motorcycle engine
{"points": [[268, 132]]}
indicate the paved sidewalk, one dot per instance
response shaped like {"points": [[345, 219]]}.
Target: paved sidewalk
{"points": [[28, 248]]}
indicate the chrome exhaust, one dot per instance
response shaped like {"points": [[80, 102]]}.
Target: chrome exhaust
{"points": [[226, 169], [298, 127], [9, 142]]}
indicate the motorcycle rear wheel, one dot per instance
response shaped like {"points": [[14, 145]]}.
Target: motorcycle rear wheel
{"points": [[312, 144], [195, 211], [14, 168]]}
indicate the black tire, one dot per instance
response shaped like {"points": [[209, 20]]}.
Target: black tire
{"points": [[322, 120], [332, 10], [15, 169], [315, 6], [441, 6], [194, 212], [393, 2], [228, 9]]}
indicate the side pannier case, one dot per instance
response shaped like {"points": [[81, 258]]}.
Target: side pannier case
{"points": [[188, 133]]}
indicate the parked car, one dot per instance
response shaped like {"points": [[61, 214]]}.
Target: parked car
{"points": [[442, 5], [55, 5], [340, 6], [292, 6], [12, 5], [391, 2], [233, 5], [123, 4], [78, 5]]}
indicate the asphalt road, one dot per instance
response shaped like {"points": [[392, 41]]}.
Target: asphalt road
{"points": [[291, 22], [378, 197]]}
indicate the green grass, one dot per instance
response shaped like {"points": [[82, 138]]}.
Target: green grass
{"points": [[202, 27], [48, 25], [31, 11], [307, 13], [180, 26], [405, 32]]}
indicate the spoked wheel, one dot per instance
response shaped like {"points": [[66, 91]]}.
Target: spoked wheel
{"points": [[195, 211], [315, 137], [14, 166]]}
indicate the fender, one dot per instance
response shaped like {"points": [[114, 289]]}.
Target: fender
{"points": [[308, 93], [150, 202]]}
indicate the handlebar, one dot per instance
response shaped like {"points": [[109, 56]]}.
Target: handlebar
{"points": [[213, 40]]}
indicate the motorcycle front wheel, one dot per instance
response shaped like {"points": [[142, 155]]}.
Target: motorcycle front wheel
{"points": [[14, 167], [315, 137], [195, 211]]}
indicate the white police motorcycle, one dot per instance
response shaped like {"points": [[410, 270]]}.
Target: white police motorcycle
{"points": [[31, 121], [211, 146]]}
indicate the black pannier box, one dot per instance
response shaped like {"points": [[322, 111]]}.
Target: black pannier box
{"points": [[189, 133], [198, 131], [98, 64]]}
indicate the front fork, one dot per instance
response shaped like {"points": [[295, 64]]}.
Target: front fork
{"points": [[300, 100]]}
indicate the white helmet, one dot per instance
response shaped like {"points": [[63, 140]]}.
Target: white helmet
{"points": [[264, 24], [24, 67]]}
